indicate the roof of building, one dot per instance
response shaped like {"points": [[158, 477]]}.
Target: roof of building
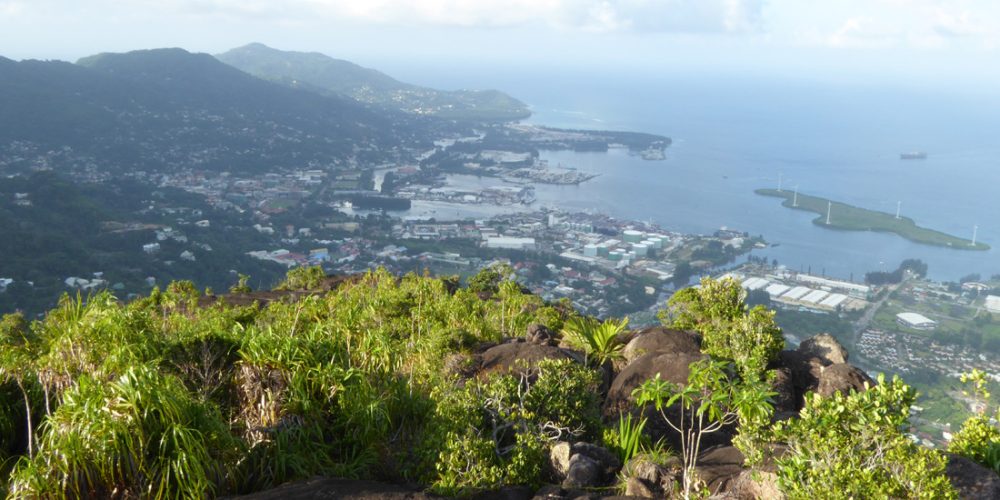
{"points": [[815, 296], [834, 300], [796, 293], [754, 283], [993, 303], [911, 318]]}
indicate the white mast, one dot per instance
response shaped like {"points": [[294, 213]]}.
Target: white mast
{"points": [[795, 197], [975, 229], [898, 204], [829, 206]]}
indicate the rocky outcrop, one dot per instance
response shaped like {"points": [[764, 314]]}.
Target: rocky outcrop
{"points": [[512, 355], [582, 465], [818, 365], [647, 478], [719, 467], [672, 367], [825, 347], [973, 481], [842, 378], [657, 339], [346, 489], [540, 334]]}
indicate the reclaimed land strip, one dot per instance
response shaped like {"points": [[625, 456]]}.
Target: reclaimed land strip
{"points": [[851, 218]]}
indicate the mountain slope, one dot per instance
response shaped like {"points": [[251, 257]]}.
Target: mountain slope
{"points": [[318, 72], [168, 108]]}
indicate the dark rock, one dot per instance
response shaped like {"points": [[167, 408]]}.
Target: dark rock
{"points": [[461, 364], [508, 493], [584, 472], [654, 479], [540, 334], [785, 400], [636, 487], [657, 429], [550, 491], [757, 484], [559, 456], [348, 489], [672, 367], [805, 370], [842, 378], [608, 461], [971, 480], [719, 467], [506, 357], [825, 347], [657, 339]]}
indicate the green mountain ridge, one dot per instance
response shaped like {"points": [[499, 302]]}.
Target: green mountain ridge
{"points": [[168, 108], [320, 73]]}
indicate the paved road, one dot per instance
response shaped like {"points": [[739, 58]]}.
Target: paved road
{"points": [[872, 310]]}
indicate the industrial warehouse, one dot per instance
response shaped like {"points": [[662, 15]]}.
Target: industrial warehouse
{"points": [[808, 292]]}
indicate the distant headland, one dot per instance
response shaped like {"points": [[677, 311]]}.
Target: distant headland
{"points": [[836, 215]]}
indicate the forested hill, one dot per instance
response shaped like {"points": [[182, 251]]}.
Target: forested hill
{"points": [[420, 382], [324, 74], [164, 108]]}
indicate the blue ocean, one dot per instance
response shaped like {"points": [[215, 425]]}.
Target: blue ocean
{"points": [[733, 135]]}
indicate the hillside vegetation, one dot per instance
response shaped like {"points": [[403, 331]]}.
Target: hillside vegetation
{"points": [[323, 74], [417, 380], [167, 109]]}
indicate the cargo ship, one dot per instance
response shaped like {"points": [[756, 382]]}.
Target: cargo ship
{"points": [[913, 155]]}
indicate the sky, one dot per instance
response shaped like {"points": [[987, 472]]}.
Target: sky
{"points": [[941, 40]]}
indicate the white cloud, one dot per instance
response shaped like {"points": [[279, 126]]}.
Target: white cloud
{"points": [[589, 15], [864, 32], [11, 9]]}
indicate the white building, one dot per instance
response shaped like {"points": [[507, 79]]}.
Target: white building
{"points": [[915, 321], [993, 304], [510, 243]]}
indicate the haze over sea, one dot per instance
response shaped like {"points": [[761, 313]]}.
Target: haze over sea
{"points": [[733, 135]]}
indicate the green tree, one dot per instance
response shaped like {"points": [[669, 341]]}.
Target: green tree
{"points": [[709, 401], [717, 310]]}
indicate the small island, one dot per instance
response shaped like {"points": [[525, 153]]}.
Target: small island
{"points": [[851, 218]]}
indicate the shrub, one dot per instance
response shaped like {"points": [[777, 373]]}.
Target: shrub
{"points": [[852, 446], [494, 433], [599, 340], [729, 330], [300, 278], [978, 439], [708, 402], [141, 435]]}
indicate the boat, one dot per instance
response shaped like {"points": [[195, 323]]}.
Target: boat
{"points": [[913, 155]]}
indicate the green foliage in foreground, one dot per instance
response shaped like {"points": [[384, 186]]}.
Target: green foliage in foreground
{"points": [[496, 432], [160, 398], [729, 329], [854, 445], [709, 401], [598, 339], [979, 437], [141, 435]]}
